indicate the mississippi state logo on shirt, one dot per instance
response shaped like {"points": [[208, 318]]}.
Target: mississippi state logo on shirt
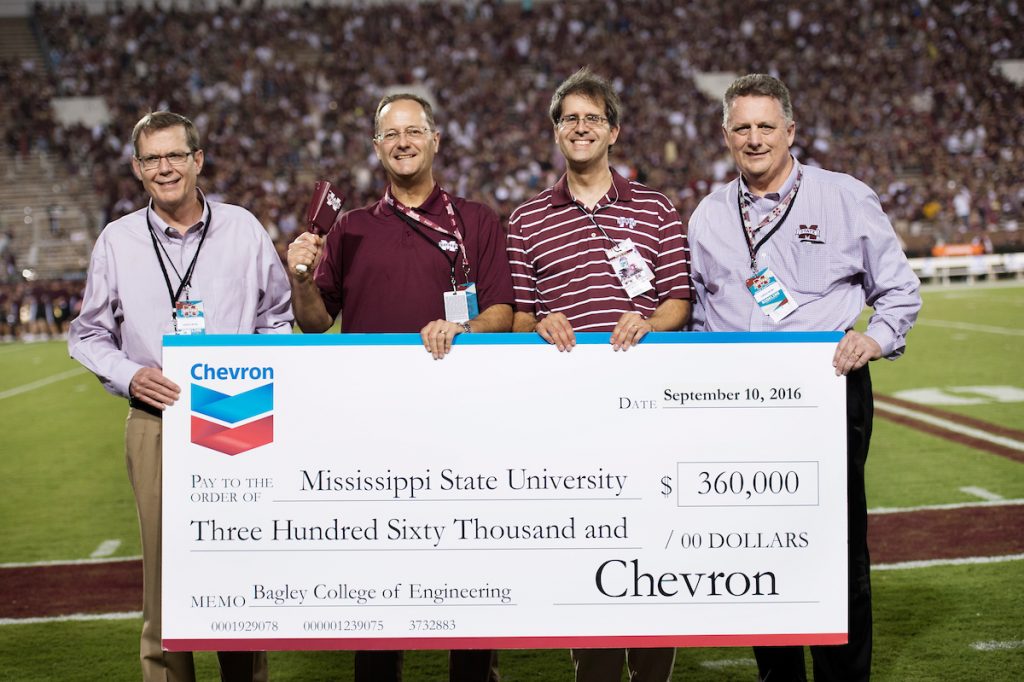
{"points": [[810, 234], [447, 245]]}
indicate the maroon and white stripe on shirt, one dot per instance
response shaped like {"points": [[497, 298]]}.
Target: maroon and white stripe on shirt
{"points": [[558, 260]]}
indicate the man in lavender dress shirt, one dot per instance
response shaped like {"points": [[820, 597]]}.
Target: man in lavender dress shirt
{"points": [[150, 272], [822, 241]]}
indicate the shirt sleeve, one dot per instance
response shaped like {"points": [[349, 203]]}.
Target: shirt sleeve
{"points": [[274, 311], [890, 285], [94, 337], [494, 280], [698, 314], [328, 275], [672, 268], [524, 278]]}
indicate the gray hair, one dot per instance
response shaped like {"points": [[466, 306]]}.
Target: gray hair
{"points": [[758, 85], [159, 120]]}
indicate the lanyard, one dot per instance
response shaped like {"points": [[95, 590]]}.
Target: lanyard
{"points": [[413, 217], [590, 214], [784, 207], [187, 278]]}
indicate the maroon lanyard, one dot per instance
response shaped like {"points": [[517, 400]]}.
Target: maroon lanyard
{"points": [[423, 220], [783, 208]]}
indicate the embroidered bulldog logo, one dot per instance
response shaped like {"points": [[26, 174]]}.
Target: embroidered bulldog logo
{"points": [[810, 234]]}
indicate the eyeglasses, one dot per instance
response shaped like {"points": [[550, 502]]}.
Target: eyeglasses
{"points": [[589, 121], [151, 161], [412, 133]]}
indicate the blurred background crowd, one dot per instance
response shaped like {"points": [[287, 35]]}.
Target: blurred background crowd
{"points": [[903, 94]]}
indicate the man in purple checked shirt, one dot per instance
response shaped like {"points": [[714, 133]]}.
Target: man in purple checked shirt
{"points": [[789, 247], [181, 265]]}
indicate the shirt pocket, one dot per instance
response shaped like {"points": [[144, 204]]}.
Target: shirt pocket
{"points": [[812, 267]]}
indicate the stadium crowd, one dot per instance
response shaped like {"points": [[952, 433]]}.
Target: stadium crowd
{"points": [[899, 93]]}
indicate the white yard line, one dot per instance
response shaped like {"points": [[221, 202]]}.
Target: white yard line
{"points": [[1011, 443], [124, 615], [72, 562], [33, 385], [106, 548], [981, 492], [729, 663], [969, 327], [929, 563], [998, 646], [953, 505]]}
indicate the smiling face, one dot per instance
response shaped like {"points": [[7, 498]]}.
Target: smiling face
{"points": [[759, 137], [584, 147], [173, 188], [406, 159]]}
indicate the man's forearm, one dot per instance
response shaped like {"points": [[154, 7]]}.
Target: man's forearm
{"points": [[524, 322], [310, 312], [670, 316], [496, 318]]}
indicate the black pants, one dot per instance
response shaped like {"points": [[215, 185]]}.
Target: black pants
{"points": [[463, 666], [849, 662]]}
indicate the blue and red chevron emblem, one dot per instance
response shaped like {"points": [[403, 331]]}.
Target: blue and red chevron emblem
{"points": [[222, 435]]}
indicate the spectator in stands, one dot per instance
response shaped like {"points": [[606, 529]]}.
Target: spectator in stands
{"points": [[206, 250], [826, 271], [936, 108]]}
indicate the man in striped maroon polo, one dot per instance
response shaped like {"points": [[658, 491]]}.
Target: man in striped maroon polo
{"points": [[598, 253]]}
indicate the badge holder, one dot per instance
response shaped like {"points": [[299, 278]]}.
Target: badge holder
{"points": [[630, 267], [189, 318], [771, 295], [461, 305]]}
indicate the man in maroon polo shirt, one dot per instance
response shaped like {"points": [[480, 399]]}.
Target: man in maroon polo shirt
{"points": [[598, 253], [412, 262]]}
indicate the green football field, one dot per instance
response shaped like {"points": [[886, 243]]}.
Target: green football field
{"points": [[64, 496]]}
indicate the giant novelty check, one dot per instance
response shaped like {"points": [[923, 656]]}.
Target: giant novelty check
{"points": [[350, 492]]}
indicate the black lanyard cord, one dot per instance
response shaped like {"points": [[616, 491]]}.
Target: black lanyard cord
{"points": [[452, 259], [187, 278]]}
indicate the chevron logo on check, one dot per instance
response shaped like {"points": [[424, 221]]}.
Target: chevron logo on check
{"points": [[232, 424]]}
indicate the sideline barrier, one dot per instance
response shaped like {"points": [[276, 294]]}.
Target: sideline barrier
{"points": [[946, 269]]}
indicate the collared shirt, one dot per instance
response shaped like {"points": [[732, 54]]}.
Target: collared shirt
{"points": [[385, 275], [835, 252], [557, 250], [126, 308]]}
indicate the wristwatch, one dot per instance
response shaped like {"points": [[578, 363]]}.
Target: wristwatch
{"points": [[465, 327]]}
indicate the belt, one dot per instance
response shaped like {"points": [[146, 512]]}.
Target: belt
{"points": [[145, 407]]}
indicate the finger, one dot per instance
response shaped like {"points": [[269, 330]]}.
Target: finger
{"points": [[563, 338], [842, 350], [639, 333], [630, 336], [439, 341]]}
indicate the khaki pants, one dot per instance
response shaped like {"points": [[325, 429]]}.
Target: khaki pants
{"points": [[605, 665], [143, 438]]}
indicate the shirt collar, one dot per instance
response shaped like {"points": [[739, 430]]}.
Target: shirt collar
{"points": [[433, 206], [620, 190], [161, 226], [773, 197]]}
